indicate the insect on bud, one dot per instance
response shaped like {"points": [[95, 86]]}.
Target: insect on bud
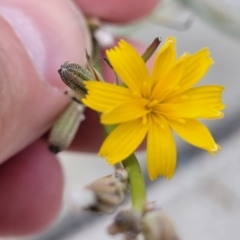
{"points": [[73, 76]]}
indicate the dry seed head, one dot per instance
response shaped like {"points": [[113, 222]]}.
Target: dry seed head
{"points": [[157, 226], [73, 76], [126, 222], [151, 206], [109, 191], [121, 174]]}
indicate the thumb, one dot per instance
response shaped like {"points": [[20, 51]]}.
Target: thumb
{"points": [[35, 40]]}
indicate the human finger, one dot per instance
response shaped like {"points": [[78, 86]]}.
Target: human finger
{"points": [[121, 11], [31, 185], [35, 40]]}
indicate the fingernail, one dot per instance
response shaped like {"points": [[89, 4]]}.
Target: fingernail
{"points": [[52, 32]]}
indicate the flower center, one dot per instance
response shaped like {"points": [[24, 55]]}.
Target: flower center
{"points": [[151, 104]]}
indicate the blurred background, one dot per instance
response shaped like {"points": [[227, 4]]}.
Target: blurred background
{"points": [[203, 197]]}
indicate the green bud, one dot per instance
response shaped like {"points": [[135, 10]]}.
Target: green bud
{"points": [[65, 128], [73, 76], [151, 49]]}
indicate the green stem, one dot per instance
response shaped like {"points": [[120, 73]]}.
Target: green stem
{"points": [[136, 180], [131, 164], [138, 192]]}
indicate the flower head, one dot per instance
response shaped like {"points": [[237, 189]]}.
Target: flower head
{"points": [[154, 104]]}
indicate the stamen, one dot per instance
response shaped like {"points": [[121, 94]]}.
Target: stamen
{"points": [[157, 121], [145, 90], [151, 104]]}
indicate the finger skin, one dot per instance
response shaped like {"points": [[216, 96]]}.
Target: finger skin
{"points": [[121, 11], [31, 89], [31, 185], [32, 97]]}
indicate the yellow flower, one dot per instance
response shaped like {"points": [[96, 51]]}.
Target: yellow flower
{"points": [[155, 104]]}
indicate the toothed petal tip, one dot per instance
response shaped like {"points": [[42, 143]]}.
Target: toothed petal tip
{"points": [[171, 39], [215, 150]]}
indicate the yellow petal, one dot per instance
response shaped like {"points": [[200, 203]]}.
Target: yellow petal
{"points": [[196, 134], [129, 65], [125, 112], [161, 149], [123, 141], [187, 110], [170, 80], [103, 96], [207, 95], [195, 69], [164, 60]]}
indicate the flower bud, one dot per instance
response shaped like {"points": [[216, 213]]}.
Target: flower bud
{"points": [[65, 128], [151, 49], [73, 76]]}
